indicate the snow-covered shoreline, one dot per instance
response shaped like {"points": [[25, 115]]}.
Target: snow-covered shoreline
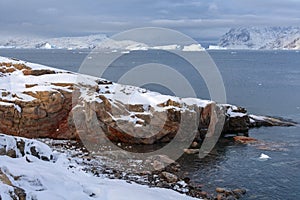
{"points": [[62, 178], [36, 101]]}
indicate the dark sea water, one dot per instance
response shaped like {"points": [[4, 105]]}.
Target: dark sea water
{"points": [[265, 82]]}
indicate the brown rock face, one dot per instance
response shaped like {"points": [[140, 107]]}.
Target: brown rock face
{"points": [[40, 72], [42, 117], [149, 127], [50, 112]]}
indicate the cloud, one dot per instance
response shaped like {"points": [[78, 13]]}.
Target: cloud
{"points": [[184, 23], [213, 7], [48, 11], [193, 17]]}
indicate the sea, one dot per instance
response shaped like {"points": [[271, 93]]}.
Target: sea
{"points": [[264, 82]]}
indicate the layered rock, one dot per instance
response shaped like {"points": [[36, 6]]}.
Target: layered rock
{"points": [[38, 101]]}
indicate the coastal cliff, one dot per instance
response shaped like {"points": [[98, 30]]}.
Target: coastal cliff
{"points": [[42, 102]]}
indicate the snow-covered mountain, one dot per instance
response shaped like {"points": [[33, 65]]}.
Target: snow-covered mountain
{"points": [[85, 42], [99, 41], [262, 38]]}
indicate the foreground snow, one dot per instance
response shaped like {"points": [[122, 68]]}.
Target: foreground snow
{"points": [[61, 178]]}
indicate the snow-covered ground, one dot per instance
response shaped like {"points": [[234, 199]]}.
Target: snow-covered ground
{"points": [[17, 84], [16, 87], [62, 178], [46, 174]]}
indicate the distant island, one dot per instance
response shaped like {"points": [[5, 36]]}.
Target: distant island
{"points": [[252, 38], [247, 38], [265, 38], [98, 41]]}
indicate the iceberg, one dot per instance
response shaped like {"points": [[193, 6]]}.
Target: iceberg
{"points": [[193, 47], [264, 157], [216, 47]]}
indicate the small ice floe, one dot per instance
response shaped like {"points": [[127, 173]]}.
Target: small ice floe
{"points": [[264, 157]]}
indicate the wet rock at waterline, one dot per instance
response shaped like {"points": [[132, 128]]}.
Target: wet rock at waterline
{"points": [[244, 139]]}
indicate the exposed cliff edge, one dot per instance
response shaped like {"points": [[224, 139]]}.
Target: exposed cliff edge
{"points": [[38, 101]]}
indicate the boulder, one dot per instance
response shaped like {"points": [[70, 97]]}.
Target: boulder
{"points": [[16, 147], [191, 151], [171, 178]]}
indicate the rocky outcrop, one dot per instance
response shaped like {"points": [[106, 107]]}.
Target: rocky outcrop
{"points": [[244, 139], [43, 117], [37, 101], [16, 147], [15, 192]]}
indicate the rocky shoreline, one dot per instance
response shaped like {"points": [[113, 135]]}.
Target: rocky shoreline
{"points": [[169, 177], [37, 101], [41, 102]]}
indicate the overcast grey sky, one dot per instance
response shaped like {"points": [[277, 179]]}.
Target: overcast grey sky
{"points": [[197, 18]]}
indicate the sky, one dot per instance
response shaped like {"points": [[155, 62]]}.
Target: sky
{"points": [[200, 19]]}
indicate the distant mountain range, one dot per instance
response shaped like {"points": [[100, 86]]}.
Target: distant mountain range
{"points": [[85, 42], [100, 41], [236, 38], [261, 38]]}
